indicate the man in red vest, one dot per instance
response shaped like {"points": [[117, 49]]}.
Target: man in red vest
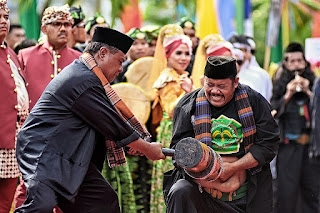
{"points": [[43, 62], [13, 110]]}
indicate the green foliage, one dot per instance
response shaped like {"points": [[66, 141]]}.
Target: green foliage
{"points": [[300, 24], [260, 14], [159, 12]]}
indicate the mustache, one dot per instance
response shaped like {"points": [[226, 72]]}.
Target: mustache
{"points": [[62, 33]]}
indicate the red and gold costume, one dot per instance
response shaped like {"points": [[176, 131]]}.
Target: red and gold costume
{"points": [[41, 64], [13, 111]]}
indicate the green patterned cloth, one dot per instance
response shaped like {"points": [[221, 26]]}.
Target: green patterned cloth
{"points": [[120, 179], [157, 204]]}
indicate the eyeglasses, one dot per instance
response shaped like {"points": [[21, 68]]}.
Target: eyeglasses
{"points": [[59, 24]]}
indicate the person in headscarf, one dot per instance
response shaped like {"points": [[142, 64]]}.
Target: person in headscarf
{"points": [[172, 56], [213, 44], [14, 110]]}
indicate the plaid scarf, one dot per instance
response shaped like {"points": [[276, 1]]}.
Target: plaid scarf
{"points": [[203, 118], [116, 156]]}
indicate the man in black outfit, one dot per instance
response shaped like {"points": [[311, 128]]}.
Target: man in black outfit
{"points": [[76, 122]]}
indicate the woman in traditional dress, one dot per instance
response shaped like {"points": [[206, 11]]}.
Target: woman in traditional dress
{"points": [[172, 56]]}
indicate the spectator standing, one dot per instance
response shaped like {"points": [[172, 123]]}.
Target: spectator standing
{"points": [[14, 109]]}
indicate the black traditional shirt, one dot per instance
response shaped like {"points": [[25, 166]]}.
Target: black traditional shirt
{"points": [[263, 150], [69, 123]]}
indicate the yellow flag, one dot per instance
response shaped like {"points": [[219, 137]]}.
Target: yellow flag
{"points": [[207, 18]]}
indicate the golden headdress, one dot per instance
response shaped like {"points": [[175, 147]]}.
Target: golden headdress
{"points": [[3, 6], [208, 43], [54, 13], [167, 34]]}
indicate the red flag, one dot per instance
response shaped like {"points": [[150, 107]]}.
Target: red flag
{"points": [[131, 16]]}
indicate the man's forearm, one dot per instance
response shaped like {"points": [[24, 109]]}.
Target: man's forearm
{"points": [[246, 162]]}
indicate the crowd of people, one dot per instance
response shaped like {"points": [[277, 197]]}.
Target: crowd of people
{"points": [[69, 138]]}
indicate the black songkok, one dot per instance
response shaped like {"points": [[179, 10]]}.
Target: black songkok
{"points": [[220, 67], [113, 38]]}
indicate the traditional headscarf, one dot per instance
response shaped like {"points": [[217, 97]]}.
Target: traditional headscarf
{"points": [[3, 6], [54, 13], [77, 15], [169, 36], [170, 46], [186, 22], [152, 32], [96, 19], [240, 42], [213, 44], [136, 33]]}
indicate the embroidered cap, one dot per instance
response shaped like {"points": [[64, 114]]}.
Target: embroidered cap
{"points": [[220, 67], [113, 38], [54, 13], [3, 6]]}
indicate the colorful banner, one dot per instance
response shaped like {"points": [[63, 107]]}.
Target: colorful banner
{"points": [[207, 18], [226, 17], [131, 16]]}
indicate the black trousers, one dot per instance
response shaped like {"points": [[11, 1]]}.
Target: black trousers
{"points": [[95, 195], [185, 197], [298, 180]]}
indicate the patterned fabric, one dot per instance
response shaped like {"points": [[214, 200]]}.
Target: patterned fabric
{"points": [[8, 162], [157, 204], [3, 6], [54, 13], [203, 118], [116, 156], [246, 117], [121, 181]]}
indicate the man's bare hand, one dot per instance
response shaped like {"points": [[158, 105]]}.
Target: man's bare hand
{"points": [[155, 152], [151, 150], [228, 171]]}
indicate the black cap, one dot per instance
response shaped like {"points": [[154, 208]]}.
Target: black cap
{"points": [[220, 67], [294, 47], [113, 38]]}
